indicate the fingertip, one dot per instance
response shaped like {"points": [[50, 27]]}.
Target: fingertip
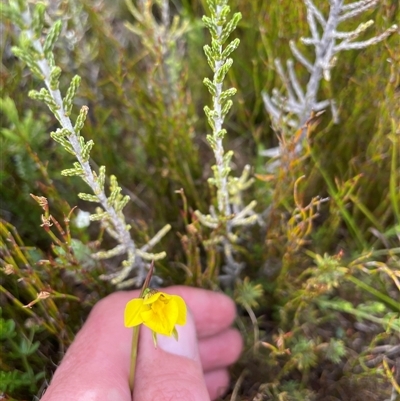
{"points": [[217, 383], [220, 350]]}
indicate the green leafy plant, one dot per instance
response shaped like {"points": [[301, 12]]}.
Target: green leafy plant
{"points": [[10, 380]]}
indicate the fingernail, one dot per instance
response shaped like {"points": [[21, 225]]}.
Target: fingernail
{"points": [[186, 345]]}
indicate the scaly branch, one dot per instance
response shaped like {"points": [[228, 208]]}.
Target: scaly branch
{"points": [[39, 57], [293, 108]]}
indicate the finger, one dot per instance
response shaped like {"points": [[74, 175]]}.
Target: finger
{"points": [[96, 366], [217, 383], [221, 350], [173, 370]]}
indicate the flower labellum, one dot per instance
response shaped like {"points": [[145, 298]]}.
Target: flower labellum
{"points": [[157, 310]]}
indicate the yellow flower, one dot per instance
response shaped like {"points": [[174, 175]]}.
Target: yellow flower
{"points": [[158, 311]]}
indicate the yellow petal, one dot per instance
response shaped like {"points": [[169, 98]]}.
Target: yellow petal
{"points": [[132, 313], [158, 311], [172, 312], [157, 322], [182, 310]]}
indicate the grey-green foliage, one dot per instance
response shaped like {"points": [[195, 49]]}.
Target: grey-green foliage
{"points": [[231, 212], [37, 53], [293, 108]]}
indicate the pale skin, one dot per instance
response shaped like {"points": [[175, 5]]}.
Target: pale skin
{"points": [[194, 368]]}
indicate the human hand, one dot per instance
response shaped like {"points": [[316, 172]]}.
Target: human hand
{"points": [[194, 368]]}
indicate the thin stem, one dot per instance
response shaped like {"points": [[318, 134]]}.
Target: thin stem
{"points": [[256, 329], [70, 297], [134, 352], [347, 217], [51, 329], [394, 176], [136, 330], [383, 297]]}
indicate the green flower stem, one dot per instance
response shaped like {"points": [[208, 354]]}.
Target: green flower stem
{"points": [[134, 351], [135, 336]]}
